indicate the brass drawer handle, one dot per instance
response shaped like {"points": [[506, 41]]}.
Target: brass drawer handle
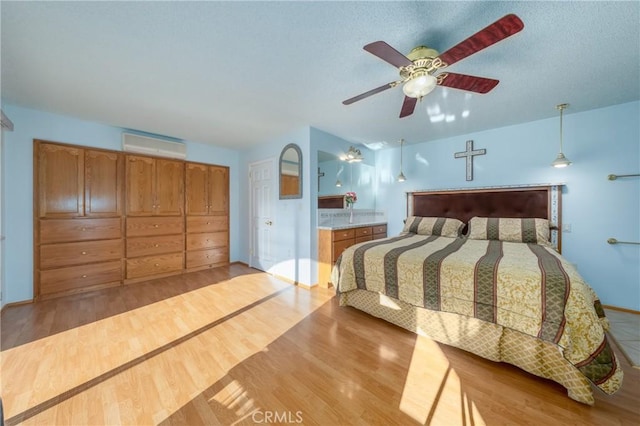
{"points": [[156, 225], [157, 264], [156, 245], [84, 276], [84, 252]]}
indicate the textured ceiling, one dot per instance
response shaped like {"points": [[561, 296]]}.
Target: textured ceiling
{"points": [[236, 74]]}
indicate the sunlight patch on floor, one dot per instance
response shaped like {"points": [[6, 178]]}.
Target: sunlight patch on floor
{"points": [[38, 373], [432, 392], [234, 397]]}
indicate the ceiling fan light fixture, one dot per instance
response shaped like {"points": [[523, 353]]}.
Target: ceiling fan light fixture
{"points": [[419, 86], [353, 155]]}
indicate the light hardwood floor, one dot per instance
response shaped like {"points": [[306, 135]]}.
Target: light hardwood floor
{"points": [[237, 346]]}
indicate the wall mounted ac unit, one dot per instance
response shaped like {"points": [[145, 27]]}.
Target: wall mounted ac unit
{"points": [[152, 146]]}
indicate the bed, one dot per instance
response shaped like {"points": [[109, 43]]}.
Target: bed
{"points": [[481, 270]]}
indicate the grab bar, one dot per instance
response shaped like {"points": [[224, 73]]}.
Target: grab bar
{"points": [[614, 241], [614, 177]]}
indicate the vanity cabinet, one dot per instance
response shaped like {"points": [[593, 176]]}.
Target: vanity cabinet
{"points": [[332, 242]]}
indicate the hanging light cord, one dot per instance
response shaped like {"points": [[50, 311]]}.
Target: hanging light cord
{"points": [[561, 107], [401, 143]]}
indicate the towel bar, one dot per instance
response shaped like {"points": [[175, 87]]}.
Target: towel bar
{"points": [[614, 177], [614, 241]]}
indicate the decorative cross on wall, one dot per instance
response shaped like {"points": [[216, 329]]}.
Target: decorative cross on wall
{"points": [[469, 154], [320, 174]]}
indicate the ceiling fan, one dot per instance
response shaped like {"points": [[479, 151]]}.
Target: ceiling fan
{"points": [[417, 68]]}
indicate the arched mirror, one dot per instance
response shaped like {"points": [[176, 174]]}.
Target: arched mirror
{"points": [[291, 172]]}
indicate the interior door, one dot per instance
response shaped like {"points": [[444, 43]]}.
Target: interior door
{"points": [[261, 208]]}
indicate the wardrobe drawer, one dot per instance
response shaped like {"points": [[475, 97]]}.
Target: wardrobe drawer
{"points": [[207, 223], [78, 277], [66, 254], [207, 257], [342, 234], [207, 240], [66, 230], [153, 265], [146, 246], [147, 226]]}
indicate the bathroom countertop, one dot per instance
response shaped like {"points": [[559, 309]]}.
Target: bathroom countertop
{"points": [[351, 225]]}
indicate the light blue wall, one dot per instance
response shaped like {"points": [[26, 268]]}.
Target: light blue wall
{"points": [[599, 142], [17, 169], [292, 226]]}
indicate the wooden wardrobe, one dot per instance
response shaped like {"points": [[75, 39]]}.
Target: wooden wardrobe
{"points": [[106, 218]]}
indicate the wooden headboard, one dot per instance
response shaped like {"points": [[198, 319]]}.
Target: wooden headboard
{"points": [[520, 202]]}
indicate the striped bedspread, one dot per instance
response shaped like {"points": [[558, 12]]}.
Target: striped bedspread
{"points": [[525, 287]]}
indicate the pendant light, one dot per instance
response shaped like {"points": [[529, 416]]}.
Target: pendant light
{"points": [[401, 177], [561, 160]]}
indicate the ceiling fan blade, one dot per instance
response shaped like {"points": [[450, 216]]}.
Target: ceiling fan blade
{"points": [[470, 83], [387, 53], [408, 106], [499, 30], [369, 93]]}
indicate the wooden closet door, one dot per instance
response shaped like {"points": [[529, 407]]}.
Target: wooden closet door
{"points": [[197, 189], [103, 183], [219, 190], [169, 188], [140, 178], [60, 181]]}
